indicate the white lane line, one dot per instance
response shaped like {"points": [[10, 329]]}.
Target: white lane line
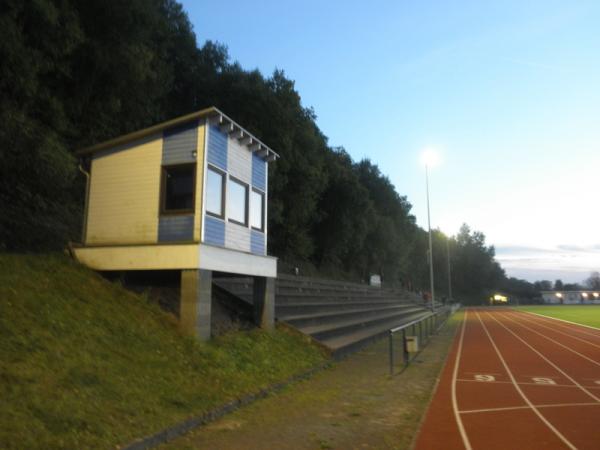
{"points": [[526, 384], [508, 408], [509, 317], [568, 321], [512, 408], [515, 384], [545, 359], [537, 322], [459, 423]]}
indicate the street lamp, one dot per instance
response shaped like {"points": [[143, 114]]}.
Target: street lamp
{"points": [[449, 270], [430, 158]]}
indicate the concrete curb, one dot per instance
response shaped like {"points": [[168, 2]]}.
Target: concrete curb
{"points": [[184, 427]]}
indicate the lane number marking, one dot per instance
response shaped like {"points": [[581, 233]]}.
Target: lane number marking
{"points": [[540, 380], [480, 377]]}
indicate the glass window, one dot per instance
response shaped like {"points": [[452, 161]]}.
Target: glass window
{"points": [[257, 210], [214, 192], [237, 201], [178, 188]]}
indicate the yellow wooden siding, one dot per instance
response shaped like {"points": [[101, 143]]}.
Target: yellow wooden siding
{"points": [[124, 194], [140, 257], [199, 182]]}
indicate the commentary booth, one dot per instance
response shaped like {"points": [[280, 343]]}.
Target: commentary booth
{"points": [[189, 194]]}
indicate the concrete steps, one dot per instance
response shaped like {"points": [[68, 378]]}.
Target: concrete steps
{"points": [[342, 316], [343, 344], [291, 309], [343, 326], [322, 317]]}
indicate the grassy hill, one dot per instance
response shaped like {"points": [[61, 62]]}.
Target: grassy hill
{"points": [[86, 364]]}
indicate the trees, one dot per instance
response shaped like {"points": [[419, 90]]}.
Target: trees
{"points": [[520, 289], [593, 281], [544, 285], [558, 285], [76, 73], [475, 270], [73, 74]]}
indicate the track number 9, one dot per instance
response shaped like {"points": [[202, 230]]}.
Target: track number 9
{"points": [[484, 378]]}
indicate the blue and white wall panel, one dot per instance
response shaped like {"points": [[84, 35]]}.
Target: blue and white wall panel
{"points": [[239, 162], [217, 148], [259, 172], [180, 144], [176, 228], [179, 147], [257, 242], [239, 165], [214, 231]]}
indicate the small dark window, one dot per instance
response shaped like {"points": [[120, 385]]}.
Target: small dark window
{"points": [[178, 184]]}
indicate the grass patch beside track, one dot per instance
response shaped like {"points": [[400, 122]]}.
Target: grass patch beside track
{"points": [[583, 314], [85, 363], [353, 405]]}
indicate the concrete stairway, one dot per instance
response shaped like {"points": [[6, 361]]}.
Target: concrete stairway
{"points": [[342, 316]]}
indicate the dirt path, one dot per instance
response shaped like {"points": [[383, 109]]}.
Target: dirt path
{"points": [[353, 405], [512, 371]]}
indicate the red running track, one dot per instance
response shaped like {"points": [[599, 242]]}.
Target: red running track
{"points": [[515, 380]]}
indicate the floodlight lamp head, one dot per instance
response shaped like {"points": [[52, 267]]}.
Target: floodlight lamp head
{"points": [[430, 157]]}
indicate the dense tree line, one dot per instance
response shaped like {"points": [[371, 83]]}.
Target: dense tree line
{"points": [[76, 72]]}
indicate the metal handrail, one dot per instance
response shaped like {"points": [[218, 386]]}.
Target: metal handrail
{"points": [[427, 326]]}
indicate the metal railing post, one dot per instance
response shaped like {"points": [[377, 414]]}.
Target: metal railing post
{"points": [[427, 325], [391, 353], [404, 349]]}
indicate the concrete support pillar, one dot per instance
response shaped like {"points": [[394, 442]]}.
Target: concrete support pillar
{"points": [[195, 303], [264, 302]]}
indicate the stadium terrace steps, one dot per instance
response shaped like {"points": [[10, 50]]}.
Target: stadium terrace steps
{"points": [[344, 344], [342, 316]]}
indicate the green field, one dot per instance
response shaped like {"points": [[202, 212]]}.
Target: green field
{"points": [[583, 314], [85, 363]]}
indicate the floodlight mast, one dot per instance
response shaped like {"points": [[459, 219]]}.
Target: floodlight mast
{"points": [[449, 270], [427, 161]]}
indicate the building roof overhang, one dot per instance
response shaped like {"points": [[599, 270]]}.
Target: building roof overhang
{"points": [[215, 117]]}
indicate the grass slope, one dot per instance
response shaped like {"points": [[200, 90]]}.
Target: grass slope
{"points": [[86, 364], [353, 405], [583, 314]]}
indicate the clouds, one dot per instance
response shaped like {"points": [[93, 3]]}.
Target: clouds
{"points": [[571, 263], [580, 248]]}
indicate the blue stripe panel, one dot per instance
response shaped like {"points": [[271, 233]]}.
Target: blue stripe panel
{"points": [[217, 147], [214, 230], [179, 143], [257, 242], [259, 172], [175, 228]]}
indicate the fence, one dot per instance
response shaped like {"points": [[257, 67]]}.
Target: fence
{"points": [[420, 332]]}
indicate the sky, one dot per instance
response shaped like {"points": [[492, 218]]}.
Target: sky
{"points": [[508, 93]]}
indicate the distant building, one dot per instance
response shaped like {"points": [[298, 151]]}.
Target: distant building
{"points": [[189, 194], [571, 297]]}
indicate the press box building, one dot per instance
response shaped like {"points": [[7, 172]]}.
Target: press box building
{"points": [[189, 194]]}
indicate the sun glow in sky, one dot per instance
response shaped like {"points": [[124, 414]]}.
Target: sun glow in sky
{"points": [[508, 93]]}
